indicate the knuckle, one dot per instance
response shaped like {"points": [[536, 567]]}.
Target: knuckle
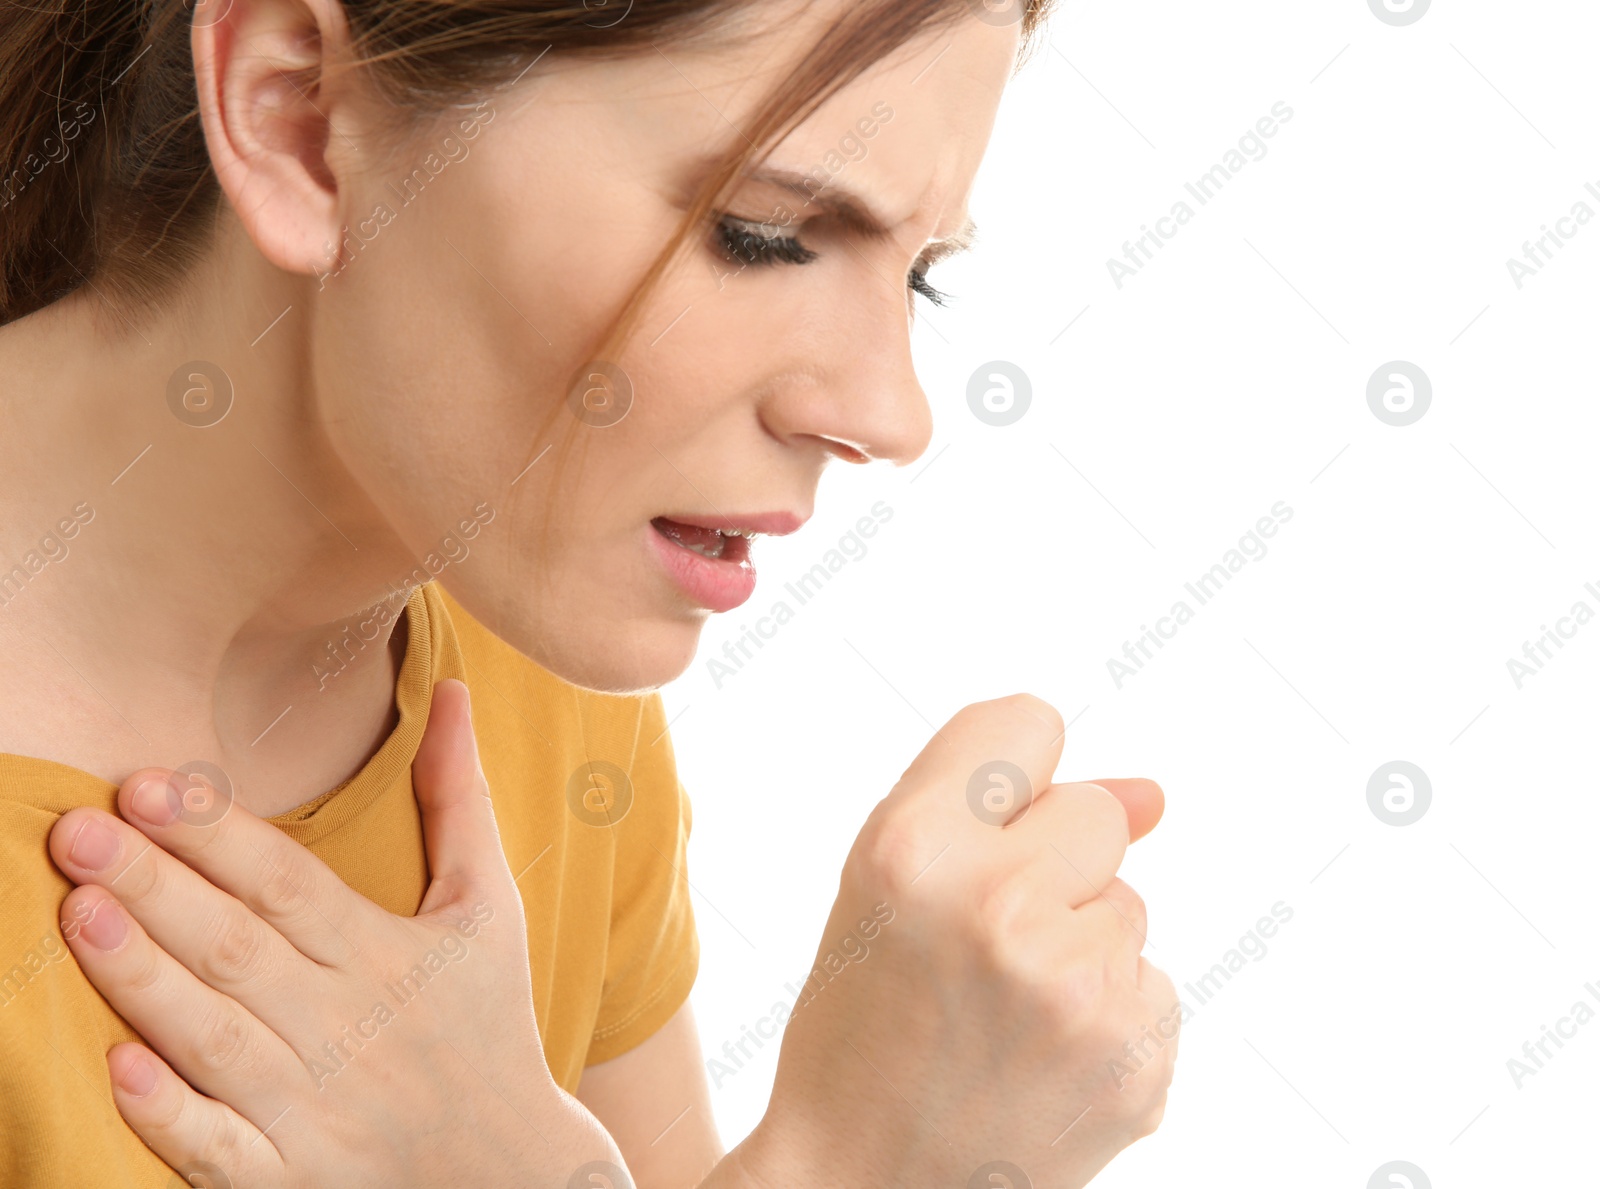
{"points": [[490, 902], [1085, 997], [893, 850], [168, 1114], [145, 973], [1160, 979], [1069, 1007], [222, 1043], [1067, 990], [144, 878], [1158, 985], [1151, 1120], [474, 888], [483, 909], [236, 949], [278, 891], [1128, 1108], [1144, 1057], [999, 913], [1129, 904], [220, 1141]]}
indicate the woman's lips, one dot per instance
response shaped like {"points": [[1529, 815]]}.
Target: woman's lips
{"points": [[712, 568], [711, 562]]}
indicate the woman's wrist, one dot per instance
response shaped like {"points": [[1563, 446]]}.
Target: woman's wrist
{"points": [[759, 1162], [789, 1147]]}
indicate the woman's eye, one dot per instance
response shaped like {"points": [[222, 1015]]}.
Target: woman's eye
{"points": [[744, 241], [747, 241]]}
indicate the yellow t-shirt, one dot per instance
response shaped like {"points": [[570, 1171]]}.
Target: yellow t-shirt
{"points": [[610, 930]]}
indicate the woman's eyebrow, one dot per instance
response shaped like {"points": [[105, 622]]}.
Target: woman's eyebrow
{"points": [[951, 245], [853, 211]]}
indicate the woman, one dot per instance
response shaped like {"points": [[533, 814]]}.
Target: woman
{"points": [[315, 311]]}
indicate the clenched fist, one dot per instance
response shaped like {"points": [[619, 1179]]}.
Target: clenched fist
{"points": [[1002, 1026]]}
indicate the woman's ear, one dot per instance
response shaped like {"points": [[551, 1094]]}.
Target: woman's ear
{"points": [[262, 69]]}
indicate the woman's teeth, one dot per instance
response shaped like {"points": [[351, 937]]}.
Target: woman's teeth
{"points": [[707, 542], [704, 550]]}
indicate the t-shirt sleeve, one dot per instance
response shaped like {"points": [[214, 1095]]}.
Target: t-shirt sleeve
{"points": [[653, 952]]}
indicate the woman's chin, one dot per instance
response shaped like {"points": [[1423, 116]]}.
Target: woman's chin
{"points": [[633, 659]]}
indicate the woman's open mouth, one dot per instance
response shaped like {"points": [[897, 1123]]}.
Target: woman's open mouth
{"points": [[711, 565], [709, 559], [719, 544]]}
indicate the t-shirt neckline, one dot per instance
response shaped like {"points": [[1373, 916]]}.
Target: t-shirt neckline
{"points": [[55, 787]]}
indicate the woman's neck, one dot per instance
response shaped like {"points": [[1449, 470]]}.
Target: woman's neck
{"points": [[171, 583]]}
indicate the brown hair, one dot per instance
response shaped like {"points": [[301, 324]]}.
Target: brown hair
{"points": [[105, 178]]}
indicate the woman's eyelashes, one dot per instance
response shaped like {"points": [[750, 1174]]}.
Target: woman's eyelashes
{"points": [[746, 241], [917, 282]]}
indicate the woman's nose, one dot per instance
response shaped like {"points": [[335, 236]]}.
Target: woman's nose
{"points": [[863, 400]]}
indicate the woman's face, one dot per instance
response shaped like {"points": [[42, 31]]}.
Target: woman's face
{"points": [[485, 259]]}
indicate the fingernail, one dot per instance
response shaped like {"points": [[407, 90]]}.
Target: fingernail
{"points": [[105, 927], [154, 803], [95, 846], [138, 1078]]}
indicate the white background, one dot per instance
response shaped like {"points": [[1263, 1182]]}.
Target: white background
{"points": [[1228, 375]]}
